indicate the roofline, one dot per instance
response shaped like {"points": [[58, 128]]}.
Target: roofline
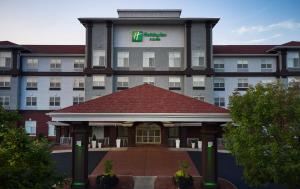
{"points": [[51, 54], [283, 47], [245, 55], [149, 10]]}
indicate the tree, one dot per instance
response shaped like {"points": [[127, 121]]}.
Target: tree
{"points": [[266, 137], [24, 162]]}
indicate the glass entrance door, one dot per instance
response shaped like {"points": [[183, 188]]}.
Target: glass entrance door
{"points": [[148, 133]]}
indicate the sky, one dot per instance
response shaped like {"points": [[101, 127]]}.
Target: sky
{"points": [[241, 21]]}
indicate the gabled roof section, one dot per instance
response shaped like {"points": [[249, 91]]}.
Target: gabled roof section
{"points": [[291, 44], [144, 99], [9, 45], [242, 49], [56, 49], [288, 45]]}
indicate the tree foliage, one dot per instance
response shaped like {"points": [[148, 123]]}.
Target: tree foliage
{"points": [[24, 162], [265, 140]]}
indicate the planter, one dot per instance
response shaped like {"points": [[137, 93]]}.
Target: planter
{"points": [[118, 143], [99, 145], [200, 144], [107, 181], [193, 145], [177, 141], [94, 143], [184, 182]]}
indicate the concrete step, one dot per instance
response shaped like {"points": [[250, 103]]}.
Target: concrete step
{"points": [[144, 182]]}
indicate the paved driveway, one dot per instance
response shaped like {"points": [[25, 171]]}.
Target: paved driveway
{"points": [[228, 170]]}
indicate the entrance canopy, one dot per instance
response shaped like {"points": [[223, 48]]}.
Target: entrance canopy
{"points": [[145, 103]]}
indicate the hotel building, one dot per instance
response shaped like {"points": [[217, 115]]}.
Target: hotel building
{"points": [[157, 47]]}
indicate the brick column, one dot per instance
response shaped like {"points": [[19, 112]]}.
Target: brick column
{"points": [[57, 134], [164, 136], [209, 164], [283, 63], [131, 136], [183, 136], [80, 155], [113, 135]]}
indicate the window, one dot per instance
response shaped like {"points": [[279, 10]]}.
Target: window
{"points": [[30, 127], [198, 82], [51, 130], [242, 66], [31, 83], [202, 98], [174, 59], [198, 58], [5, 60], [99, 58], [78, 83], [149, 60], [78, 65], [98, 81], [31, 101], [293, 60], [219, 67], [5, 82], [149, 80], [122, 83], [174, 83], [4, 101], [32, 64], [55, 65], [54, 83], [54, 101], [78, 99], [219, 84], [123, 59], [220, 101], [266, 67], [243, 84]]}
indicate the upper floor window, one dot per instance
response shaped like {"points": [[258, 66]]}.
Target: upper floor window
{"points": [[123, 59], [54, 101], [242, 66], [32, 64], [293, 60], [122, 82], [31, 83], [219, 84], [30, 127], [174, 59], [98, 81], [198, 82], [149, 80], [219, 101], [198, 58], [99, 58], [174, 83], [55, 83], [266, 67], [202, 98], [55, 64], [219, 67], [78, 65], [78, 83], [4, 101], [149, 60], [31, 101], [78, 99], [5, 59], [243, 84], [5, 82]]}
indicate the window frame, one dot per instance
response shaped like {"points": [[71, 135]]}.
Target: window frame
{"points": [[31, 103], [172, 84], [97, 56], [57, 64], [122, 84], [55, 84], [78, 99], [6, 81], [121, 56], [219, 86], [3, 100], [146, 60], [221, 101], [4, 56], [31, 127], [172, 57], [76, 83], [201, 82], [56, 101], [147, 80], [32, 64], [244, 65], [241, 86], [196, 55], [79, 64], [99, 84]]}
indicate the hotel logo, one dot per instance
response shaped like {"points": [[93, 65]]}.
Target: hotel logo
{"points": [[137, 36]]}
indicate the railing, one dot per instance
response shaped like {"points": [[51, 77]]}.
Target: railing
{"points": [[189, 142], [65, 140], [124, 141]]}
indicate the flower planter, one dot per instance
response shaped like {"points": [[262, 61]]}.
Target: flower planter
{"points": [[200, 144], [107, 181], [177, 141], [184, 182], [94, 143], [193, 145], [118, 143], [99, 145]]}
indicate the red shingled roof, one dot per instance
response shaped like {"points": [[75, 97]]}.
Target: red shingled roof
{"points": [[241, 49], [56, 49], [7, 43], [144, 99], [291, 44]]}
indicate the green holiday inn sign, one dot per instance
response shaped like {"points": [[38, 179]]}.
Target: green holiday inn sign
{"points": [[137, 36]]}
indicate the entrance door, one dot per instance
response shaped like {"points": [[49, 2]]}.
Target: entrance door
{"points": [[148, 133]]}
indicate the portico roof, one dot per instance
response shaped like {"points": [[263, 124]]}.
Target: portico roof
{"points": [[142, 103]]}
